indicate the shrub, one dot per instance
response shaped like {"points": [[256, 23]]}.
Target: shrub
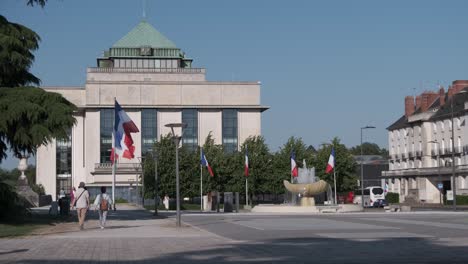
{"points": [[392, 197], [38, 188], [461, 200], [12, 206]]}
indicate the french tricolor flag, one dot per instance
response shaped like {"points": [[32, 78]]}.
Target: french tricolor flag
{"points": [[204, 162], [246, 167], [294, 171], [123, 142], [331, 162]]}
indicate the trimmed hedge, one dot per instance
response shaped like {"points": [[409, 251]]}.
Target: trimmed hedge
{"points": [[461, 200], [392, 197]]}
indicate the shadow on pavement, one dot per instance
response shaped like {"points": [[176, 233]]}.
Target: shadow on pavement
{"points": [[309, 250]]}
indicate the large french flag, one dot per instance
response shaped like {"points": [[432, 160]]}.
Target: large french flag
{"points": [[246, 167], [294, 171], [123, 142], [331, 162], [204, 162]]}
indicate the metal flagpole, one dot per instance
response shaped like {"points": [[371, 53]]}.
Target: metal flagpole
{"points": [[113, 169], [201, 182], [246, 192], [114, 160], [334, 180]]}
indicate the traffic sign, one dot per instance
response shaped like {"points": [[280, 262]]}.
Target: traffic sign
{"points": [[440, 186]]}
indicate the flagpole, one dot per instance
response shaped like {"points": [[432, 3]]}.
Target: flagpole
{"points": [[113, 169], [246, 192], [114, 161], [201, 182], [334, 180]]}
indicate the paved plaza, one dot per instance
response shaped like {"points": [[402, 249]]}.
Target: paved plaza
{"points": [[136, 236]]}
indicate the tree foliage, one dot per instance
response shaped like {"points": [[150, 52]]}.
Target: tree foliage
{"points": [[369, 149], [32, 117], [345, 166], [17, 44]]}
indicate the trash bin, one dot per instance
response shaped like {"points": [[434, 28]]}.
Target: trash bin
{"points": [[228, 202], [64, 205]]}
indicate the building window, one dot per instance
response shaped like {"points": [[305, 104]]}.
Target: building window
{"points": [[107, 123], [190, 139], [230, 130], [64, 165], [149, 129]]}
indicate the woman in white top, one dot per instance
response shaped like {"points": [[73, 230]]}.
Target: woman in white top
{"points": [[102, 203]]}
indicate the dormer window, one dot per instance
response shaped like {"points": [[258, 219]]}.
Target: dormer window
{"points": [[145, 51]]}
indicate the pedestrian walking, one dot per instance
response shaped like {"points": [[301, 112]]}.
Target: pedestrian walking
{"points": [[81, 203], [102, 203]]}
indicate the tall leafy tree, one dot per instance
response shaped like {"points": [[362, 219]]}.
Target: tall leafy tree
{"points": [[261, 177], [369, 149], [32, 117], [345, 166], [17, 44]]}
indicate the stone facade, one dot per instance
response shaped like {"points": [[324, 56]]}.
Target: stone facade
{"points": [[167, 90], [420, 146]]}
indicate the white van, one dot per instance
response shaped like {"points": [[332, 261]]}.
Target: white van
{"points": [[372, 195]]}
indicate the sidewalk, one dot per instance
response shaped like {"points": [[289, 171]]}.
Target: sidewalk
{"points": [[131, 234]]}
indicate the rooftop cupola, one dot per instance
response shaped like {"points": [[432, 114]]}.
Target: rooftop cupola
{"points": [[144, 47]]}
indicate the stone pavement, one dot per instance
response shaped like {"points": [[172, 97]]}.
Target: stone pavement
{"points": [[136, 236], [131, 235]]}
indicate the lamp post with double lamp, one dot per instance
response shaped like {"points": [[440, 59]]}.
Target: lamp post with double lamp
{"points": [[362, 167], [177, 140], [438, 169]]}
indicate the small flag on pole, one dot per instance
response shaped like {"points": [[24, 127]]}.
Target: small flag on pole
{"points": [[204, 162], [246, 168], [123, 142], [331, 162], [294, 171]]}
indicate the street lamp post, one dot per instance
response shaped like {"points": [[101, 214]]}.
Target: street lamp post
{"points": [[177, 139], [362, 167], [156, 198], [142, 166], [438, 169]]}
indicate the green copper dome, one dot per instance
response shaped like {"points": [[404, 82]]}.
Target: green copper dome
{"points": [[144, 35]]}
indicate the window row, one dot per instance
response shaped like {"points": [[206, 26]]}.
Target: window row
{"points": [[145, 63], [149, 124]]}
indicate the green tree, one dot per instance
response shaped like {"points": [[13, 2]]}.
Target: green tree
{"points": [[369, 149], [215, 155], [17, 44], [261, 175], [32, 117], [345, 166]]}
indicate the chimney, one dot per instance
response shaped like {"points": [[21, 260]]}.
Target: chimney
{"points": [[459, 85], [442, 96], [418, 102], [450, 93], [409, 106], [428, 99]]}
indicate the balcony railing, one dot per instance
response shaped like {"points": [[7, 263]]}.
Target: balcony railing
{"points": [[149, 70], [121, 168], [432, 171]]}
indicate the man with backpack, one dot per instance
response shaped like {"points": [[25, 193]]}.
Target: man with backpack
{"points": [[102, 202]]}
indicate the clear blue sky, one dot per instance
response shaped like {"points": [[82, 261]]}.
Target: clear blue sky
{"points": [[327, 68]]}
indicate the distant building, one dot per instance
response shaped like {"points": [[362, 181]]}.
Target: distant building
{"points": [[421, 137], [373, 166], [155, 83]]}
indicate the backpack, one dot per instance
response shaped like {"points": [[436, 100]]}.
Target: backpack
{"points": [[103, 204]]}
